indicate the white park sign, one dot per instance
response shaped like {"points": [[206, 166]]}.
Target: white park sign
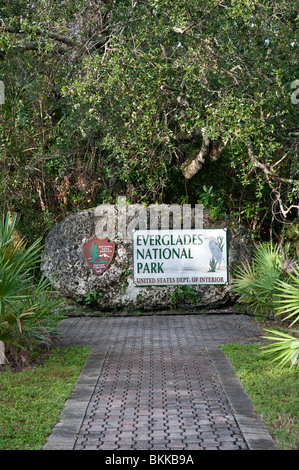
{"points": [[176, 257]]}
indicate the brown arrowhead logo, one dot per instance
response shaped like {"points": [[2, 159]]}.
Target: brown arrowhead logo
{"points": [[98, 253]]}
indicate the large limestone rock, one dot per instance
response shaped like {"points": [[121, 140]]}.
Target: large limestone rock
{"points": [[64, 262]]}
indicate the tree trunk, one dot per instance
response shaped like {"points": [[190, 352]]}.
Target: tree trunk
{"points": [[193, 165]]}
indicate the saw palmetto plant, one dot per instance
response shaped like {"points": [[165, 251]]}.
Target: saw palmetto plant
{"points": [[284, 347], [255, 282], [270, 284], [26, 303]]}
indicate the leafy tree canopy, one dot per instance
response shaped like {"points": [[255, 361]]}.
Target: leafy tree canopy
{"points": [[166, 101]]}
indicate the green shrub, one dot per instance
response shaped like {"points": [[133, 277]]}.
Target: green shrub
{"points": [[183, 294], [91, 298], [255, 283], [26, 304], [270, 284], [285, 347]]}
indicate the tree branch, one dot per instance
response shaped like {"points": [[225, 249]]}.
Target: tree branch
{"points": [[192, 166], [268, 170], [52, 35], [183, 31]]}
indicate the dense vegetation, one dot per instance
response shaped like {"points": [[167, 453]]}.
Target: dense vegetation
{"points": [[28, 307], [161, 101], [269, 286]]}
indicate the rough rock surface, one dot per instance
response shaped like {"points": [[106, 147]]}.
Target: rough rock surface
{"points": [[65, 265]]}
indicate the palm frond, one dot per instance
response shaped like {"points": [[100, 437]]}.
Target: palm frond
{"points": [[287, 296], [284, 349]]}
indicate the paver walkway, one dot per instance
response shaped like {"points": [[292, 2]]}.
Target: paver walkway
{"points": [[159, 383]]}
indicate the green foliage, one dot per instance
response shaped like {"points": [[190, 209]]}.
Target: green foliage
{"points": [[26, 304], [287, 297], [255, 282], [271, 285], [183, 294], [212, 202], [90, 298], [284, 348], [114, 98], [290, 234]]}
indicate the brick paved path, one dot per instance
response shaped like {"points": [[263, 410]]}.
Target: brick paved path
{"points": [[158, 382]]}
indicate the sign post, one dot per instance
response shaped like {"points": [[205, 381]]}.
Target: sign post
{"points": [[176, 257]]}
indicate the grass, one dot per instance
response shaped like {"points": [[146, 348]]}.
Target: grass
{"points": [[32, 399], [273, 391]]}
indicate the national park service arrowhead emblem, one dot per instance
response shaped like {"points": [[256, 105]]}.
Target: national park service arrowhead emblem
{"points": [[98, 253]]}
